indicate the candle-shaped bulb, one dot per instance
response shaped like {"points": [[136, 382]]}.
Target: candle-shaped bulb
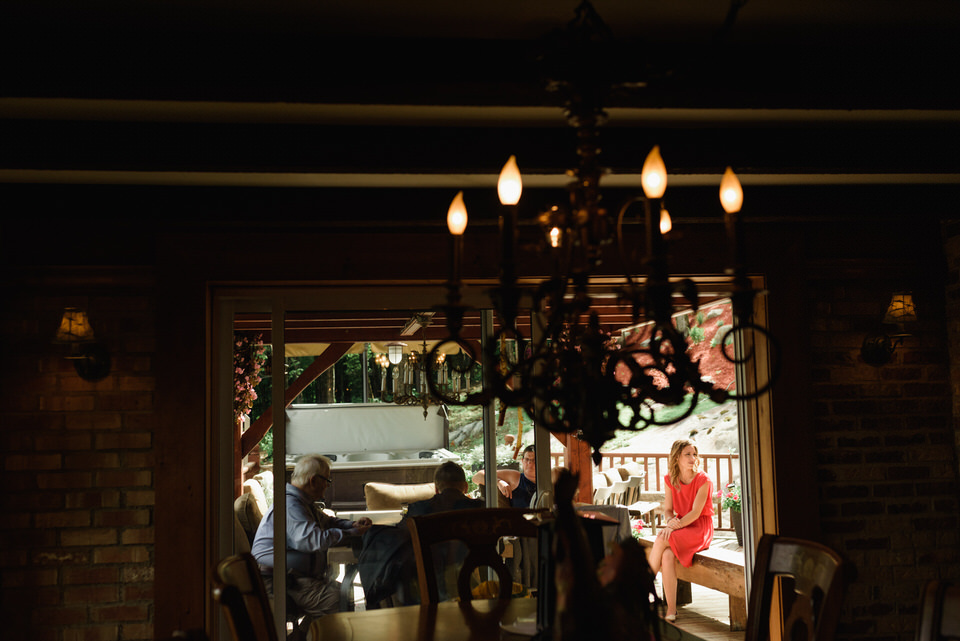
{"points": [[665, 223], [510, 186], [731, 193], [555, 237], [653, 178], [457, 215]]}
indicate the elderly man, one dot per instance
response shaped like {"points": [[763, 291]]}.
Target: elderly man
{"points": [[310, 533]]}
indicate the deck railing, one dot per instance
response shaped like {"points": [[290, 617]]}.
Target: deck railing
{"points": [[722, 468]]}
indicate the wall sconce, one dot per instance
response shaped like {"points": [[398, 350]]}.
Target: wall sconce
{"points": [[878, 348], [90, 357]]}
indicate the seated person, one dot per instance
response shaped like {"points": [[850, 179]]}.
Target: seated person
{"points": [[451, 485], [310, 533], [519, 487], [387, 565]]}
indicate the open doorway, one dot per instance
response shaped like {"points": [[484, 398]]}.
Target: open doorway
{"points": [[285, 315]]}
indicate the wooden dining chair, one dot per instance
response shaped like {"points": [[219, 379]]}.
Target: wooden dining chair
{"points": [[811, 589], [940, 612], [479, 530], [239, 590]]}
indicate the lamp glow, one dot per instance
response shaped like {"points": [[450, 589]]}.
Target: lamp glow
{"points": [[555, 237], [457, 215], [731, 193], [395, 352], [653, 178], [665, 223], [510, 186]]}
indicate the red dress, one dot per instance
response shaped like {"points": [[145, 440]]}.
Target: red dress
{"points": [[689, 540]]}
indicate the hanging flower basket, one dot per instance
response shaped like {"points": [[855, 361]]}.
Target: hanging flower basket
{"points": [[248, 358]]}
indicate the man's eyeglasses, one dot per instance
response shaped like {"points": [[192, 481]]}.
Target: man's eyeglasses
{"points": [[329, 481]]}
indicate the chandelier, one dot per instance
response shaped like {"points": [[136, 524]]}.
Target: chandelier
{"points": [[571, 375], [425, 377]]}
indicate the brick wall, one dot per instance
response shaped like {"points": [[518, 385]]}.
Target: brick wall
{"points": [[887, 465], [76, 558]]}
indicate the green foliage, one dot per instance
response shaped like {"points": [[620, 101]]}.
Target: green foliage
{"points": [[720, 337], [266, 447], [696, 335], [731, 499]]}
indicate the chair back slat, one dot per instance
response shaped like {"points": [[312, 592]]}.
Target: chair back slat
{"points": [[240, 591], [811, 597], [940, 612], [480, 530]]}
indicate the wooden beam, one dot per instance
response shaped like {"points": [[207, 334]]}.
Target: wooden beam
{"points": [[262, 425]]}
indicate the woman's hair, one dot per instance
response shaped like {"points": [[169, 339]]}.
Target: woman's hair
{"points": [[673, 463], [309, 466]]}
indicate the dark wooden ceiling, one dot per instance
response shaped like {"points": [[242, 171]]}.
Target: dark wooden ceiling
{"points": [[421, 95], [371, 114]]}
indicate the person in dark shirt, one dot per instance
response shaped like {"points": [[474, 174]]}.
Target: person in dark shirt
{"points": [[519, 487], [386, 564]]}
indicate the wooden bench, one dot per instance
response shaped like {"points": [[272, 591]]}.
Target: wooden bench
{"points": [[718, 569]]}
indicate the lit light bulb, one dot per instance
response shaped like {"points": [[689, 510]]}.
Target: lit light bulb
{"points": [[510, 186], [457, 215], [731, 193], [665, 223], [555, 237], [653, 178]]}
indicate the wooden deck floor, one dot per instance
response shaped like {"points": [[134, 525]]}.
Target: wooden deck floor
{"points": [[708, 616]]}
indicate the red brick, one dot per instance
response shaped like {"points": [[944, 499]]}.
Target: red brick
{"points": [[138, 592], [91, 594], [126, 612], [109, 632], [62, 442], [133, 459], [15, 462], [133, 631], [124, 478], [95, 421], [122, 518], [60, 616], [133, 536], [137, 574], [92, 574], [136, 440], [102, 498], [65, 518], [137, 383], [139, 498], [90, 536], [92, 461], [64, 480], [122, 554]]}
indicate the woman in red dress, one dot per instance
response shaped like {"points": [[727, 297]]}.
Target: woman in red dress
{"points": [[689, 513]]}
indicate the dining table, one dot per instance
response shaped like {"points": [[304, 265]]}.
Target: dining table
{"points": [[477, 620]]}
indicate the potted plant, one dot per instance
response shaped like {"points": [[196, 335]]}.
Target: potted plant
{"points": [[732, 500]]}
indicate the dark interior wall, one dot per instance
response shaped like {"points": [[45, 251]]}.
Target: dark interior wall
{"points": [[864, 456]]}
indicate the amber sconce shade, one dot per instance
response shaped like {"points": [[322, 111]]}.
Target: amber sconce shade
{"points": [[90, 357]]}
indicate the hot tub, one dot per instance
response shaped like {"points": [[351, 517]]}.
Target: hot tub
{"points": [[369, 442]]}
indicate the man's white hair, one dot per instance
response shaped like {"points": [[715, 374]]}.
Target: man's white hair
{"points": [[308, 466]]}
